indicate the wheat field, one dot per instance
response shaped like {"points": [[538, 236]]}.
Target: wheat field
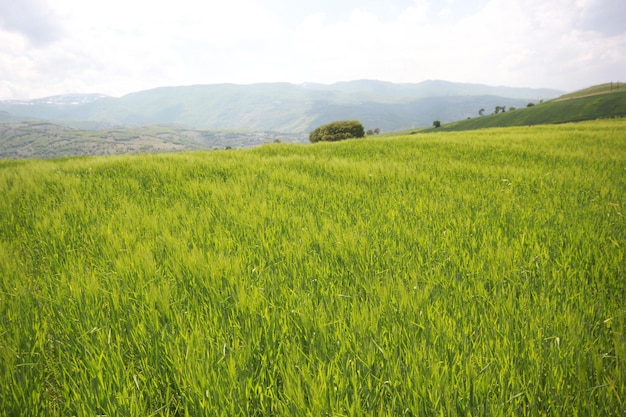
{"points": [[470, 273]]}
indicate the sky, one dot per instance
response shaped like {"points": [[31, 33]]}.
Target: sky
{"points": [[115, 47]]}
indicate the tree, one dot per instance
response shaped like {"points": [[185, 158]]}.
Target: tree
{"points": [[335, 131], [437, 123], [376, 131], [481, 112]]}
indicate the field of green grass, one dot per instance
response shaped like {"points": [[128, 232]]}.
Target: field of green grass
{"points": [[469, 273]]}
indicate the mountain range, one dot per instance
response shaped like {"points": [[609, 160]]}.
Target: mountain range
{"points": [[277, 107]]}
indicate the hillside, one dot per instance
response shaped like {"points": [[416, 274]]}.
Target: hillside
{"points": [[49, 140], [588, 104], [594, 90], [279, 107]]}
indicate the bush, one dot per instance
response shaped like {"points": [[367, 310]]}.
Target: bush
{"points": [[335, 131]]}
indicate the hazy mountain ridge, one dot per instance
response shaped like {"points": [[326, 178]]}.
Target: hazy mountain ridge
{"points": [[436, 88], [63, 99], [280, 107]]}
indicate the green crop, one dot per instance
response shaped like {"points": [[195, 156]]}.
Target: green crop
{"points": [[475, 273]]}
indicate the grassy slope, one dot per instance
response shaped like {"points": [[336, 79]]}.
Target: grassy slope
{"points": [[595, 103], [472, 273], [594, 90]]}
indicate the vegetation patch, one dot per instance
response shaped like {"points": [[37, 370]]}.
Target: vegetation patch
{"points": [[335, 131]]}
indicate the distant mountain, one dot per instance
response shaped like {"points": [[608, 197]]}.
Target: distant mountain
{"points": [[436, 88], [60, 100], [279, 107], [5, 117]]}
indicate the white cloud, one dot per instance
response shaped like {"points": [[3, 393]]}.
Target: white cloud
{"points": [[119, 46], [31, 18]]}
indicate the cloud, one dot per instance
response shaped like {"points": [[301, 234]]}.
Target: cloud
{"points": [[603, 16], [120, 46], [335, 11], [31, 18]]}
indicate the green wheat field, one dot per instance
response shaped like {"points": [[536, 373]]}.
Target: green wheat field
{"points": [[466, 273]]}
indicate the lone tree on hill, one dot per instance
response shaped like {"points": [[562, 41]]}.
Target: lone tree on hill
{"points": [[335, 131], [437, 123]]}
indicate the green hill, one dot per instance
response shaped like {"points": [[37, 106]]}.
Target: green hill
{"points": [[600, 102], [595, 90]]}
